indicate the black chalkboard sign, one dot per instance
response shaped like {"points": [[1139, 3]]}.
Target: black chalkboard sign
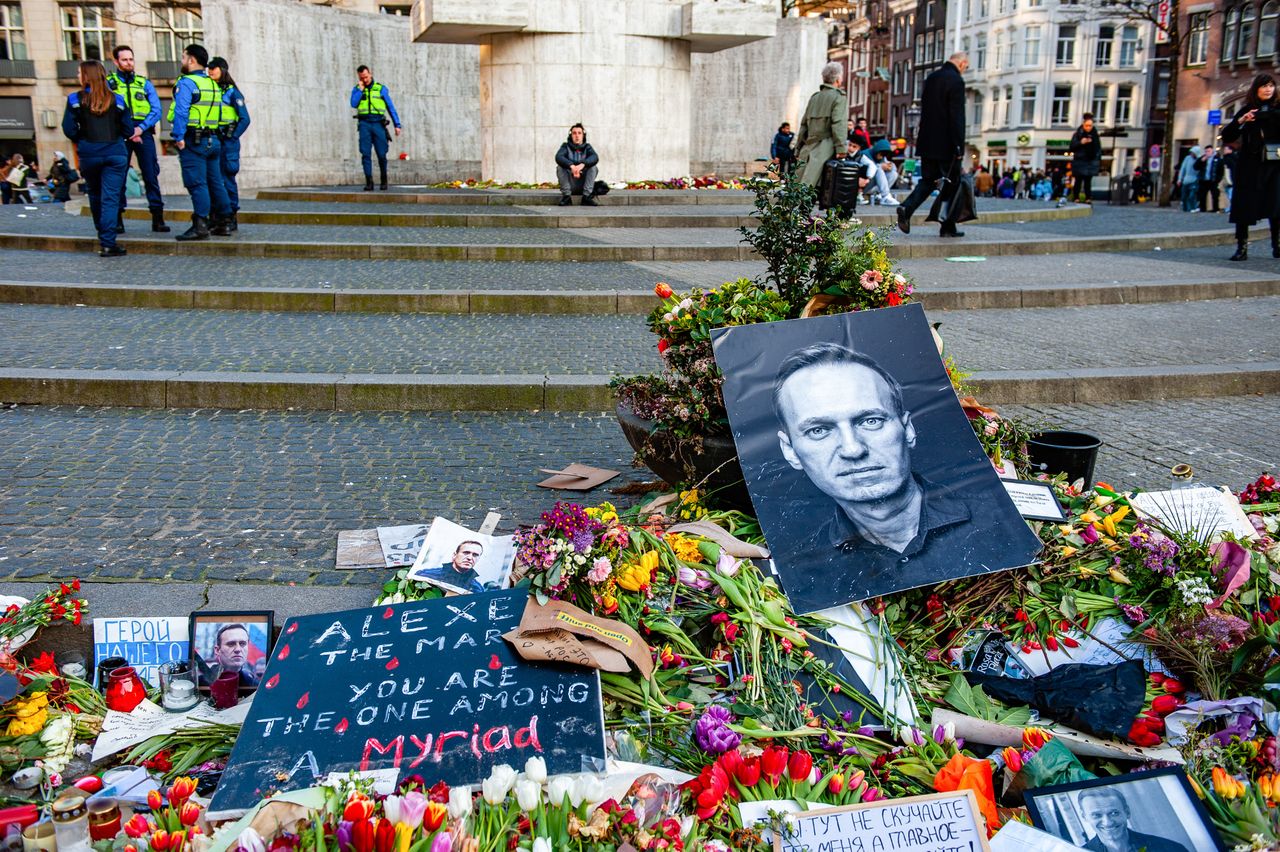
{"points": [[429, 688]]}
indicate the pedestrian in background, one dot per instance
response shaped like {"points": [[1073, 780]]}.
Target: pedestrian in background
{"points": [[858, 133], [16, 180], [983, 183], [1210, 178], [61, 176], [1255, 131], [98, 122], [233, 121], [1229, 160], [781, 154], [1189, 179], [1086, 159], [820, 136], [939, 141]]}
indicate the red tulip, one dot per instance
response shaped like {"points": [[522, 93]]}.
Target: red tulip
{"points": [[359, 807], [433, 816], [835, 784], [800, 765], [176, 841], [773, 763], [189, 813], [1154, 723], [137, 826], [1140, 734], [1164, 704], [181, 790], [160, 840], [1173, 686], [362, 835], [384, 836], [748, 772], [663, 290], [663, 345], [731, 761], [155, 800]]}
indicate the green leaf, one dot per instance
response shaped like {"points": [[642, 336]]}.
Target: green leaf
{"points": [[1018, 717], [961, 696]]}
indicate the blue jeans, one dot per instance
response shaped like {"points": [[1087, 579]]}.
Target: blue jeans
{"points": [[230, 165], [104, 174], [1189, 192], [144, 150], [202, 176], [373, 139]]}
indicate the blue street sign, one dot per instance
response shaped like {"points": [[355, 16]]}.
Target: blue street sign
{"points": [[1215, 117]]}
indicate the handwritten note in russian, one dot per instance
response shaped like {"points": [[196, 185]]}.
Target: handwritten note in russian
{"points": [[944, 822]]}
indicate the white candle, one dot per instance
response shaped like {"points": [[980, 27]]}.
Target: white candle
{"points": [[180, 694]]}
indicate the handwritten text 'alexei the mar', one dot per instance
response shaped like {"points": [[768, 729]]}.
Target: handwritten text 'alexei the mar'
{"points": [[401, 700]]}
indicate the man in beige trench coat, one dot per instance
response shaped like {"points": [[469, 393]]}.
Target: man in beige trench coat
{"points": [[822, 130]]}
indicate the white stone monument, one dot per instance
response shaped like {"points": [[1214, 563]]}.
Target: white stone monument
{"points": [[621, 67]]}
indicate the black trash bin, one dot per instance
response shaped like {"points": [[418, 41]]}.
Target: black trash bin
{"points": [[1072, 453], [1121, 190]]}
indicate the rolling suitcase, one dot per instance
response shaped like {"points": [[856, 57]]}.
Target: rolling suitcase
{"points": [[838, 189]]}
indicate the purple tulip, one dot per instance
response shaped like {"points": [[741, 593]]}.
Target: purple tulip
{"points": [[344, 836], [712, 731], [443, 842]]}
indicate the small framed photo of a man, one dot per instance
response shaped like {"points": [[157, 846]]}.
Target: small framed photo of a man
{"points": [[231, 642], [1157, 811], [463, 561], [864, 471]]}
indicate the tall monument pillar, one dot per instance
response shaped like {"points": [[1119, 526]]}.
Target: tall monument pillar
{"points": [[621, 67]]}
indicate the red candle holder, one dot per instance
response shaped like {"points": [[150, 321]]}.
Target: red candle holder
{"points": [[225, 691], [125, 690]]}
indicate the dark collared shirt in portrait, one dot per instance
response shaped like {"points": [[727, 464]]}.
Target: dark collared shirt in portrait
{"points": [[958, 535], [446, 573]]}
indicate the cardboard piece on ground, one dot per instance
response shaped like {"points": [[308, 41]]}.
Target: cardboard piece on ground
{"points": [[560, 632], [1077, 742], [735, 547], [401, 544], [576, 477], [359, 549], [122, 730]]}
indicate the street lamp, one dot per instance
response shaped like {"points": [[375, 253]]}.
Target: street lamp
{"points": [[913, 121]]}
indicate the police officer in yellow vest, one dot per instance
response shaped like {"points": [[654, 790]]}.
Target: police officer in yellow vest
{"points": [[197, 112], [143, 102], [373, 106]]}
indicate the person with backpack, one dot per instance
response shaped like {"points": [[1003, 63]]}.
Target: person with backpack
{"points": [[98, 122], [60, 178]]}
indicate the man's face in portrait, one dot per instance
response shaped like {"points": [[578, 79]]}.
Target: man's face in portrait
{"points": [[845, 432], [231, 649], [465, 557], [1109, 816]]}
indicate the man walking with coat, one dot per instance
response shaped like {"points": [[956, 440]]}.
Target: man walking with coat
{"points": [[940, 140], [822, 130]]}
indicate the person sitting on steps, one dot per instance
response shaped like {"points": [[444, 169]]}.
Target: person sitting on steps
{"points": [[576, 168]]}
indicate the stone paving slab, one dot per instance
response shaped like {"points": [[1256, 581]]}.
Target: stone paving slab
{"points": [[1109, 336], [214, 497]]}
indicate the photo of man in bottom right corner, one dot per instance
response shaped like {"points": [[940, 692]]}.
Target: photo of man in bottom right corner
{"points": [[1152, 814]]}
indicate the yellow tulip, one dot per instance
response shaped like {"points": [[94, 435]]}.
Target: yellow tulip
{"points": [[633, 577], [1066, 529], [1118, 576], [649, 561], [1067, 550], [1089, 518], [1226, 786]]}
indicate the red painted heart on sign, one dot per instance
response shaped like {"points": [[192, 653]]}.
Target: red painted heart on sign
{"points": [[393, 663], [341, 727], [388, 612], [291, 628], [284, 653], [302, 702], [271, 684], [494, 663]]}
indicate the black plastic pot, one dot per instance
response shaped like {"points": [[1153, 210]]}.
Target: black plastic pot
{"points": [[683, 462], [1072, 453]]}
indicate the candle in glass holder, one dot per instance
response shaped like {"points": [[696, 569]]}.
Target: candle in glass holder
{"points": [[104, 819], [39, 837], [71, 822], [178, 686]]}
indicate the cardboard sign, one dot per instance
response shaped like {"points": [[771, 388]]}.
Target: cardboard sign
{"points": [[146, 643], [942, 822], [427, 688], [561, 632]]}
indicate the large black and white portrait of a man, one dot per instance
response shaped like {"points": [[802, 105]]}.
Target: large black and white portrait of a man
{"points": [[864, 471]]}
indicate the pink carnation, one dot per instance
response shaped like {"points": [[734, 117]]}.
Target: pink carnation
{"points": [[600, 570]]}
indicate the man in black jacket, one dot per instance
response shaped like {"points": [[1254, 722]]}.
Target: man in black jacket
{"points": [[1210, 179], [576, 168], [940, 139]]}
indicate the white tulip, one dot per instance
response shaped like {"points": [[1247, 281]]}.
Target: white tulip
{"points": [[459, 802], [536, 769], [503, 777], [558, 788], [589, 789], [541, 844], [493, 790], [528, 794], [391, 807]]}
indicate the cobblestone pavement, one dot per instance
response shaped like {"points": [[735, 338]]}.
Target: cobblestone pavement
{"points": [[32, 336], [49, 220], [119, 494]]}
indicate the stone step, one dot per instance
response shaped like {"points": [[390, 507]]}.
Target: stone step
{"points": [[501, 197], [211, 496], [228, 359], [268, 213]]}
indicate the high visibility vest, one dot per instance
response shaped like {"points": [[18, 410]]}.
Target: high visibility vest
{"points": [[228, 115], [372, 103], [206, 103], [134, 93]]}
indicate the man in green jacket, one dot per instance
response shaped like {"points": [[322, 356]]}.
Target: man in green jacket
{"points": [[822, 130]]}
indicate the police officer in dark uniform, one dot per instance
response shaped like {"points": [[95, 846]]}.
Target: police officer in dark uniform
{"points": [[372, 102], [197, 109], [233, 121], [144, 104]]}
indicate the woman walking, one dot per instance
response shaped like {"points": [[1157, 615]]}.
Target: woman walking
{"points": [[1086, 158], [233, 122], [1255, 193], [97, 121], [1189, 179]]}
